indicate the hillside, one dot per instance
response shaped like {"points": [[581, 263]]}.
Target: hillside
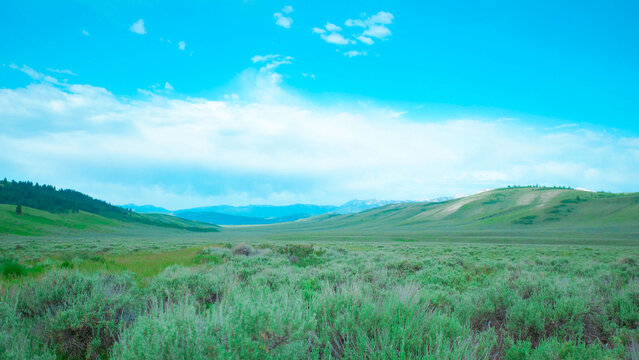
{"points": [[36, 222], [48, 198], [47, 210], [517, 210]]}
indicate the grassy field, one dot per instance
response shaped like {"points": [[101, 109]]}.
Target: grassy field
{"points": [[407, 281], [335, 300]]}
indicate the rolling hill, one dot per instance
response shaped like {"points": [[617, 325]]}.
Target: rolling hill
{"points": [[47, 210], [516, 211]]}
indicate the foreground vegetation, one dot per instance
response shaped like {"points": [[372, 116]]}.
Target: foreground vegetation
{"points": [[273, 300]]}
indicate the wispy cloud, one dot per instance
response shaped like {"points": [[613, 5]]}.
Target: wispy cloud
{"points": [[181, 45], [85, 32], [271, 61], [374, 26], [281, 19], [353, 53], [62, 71], [283, 151], [330, 34], [138, 27], [35, 75]]}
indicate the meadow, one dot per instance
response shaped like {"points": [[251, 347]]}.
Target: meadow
{"points": [[233, 295]]}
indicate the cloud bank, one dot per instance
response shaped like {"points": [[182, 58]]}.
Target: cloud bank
{"points": [[248, 148]]}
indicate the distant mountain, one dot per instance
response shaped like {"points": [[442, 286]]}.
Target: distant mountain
{"points": [[355, 206], [222, 219], [261, 214], [265, 211], [145, 209], [252, 214], [441, 199]]}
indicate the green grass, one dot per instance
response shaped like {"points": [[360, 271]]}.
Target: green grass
{"points": [[146, 264], [38, 222], [372, 300], [33, 222]]}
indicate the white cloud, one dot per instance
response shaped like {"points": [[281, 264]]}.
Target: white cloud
{"points": [[281, 19], [84, 137], [271, 61], [354, 53], [336, 38], [85, 32], [62, 71], [168, 86], [36, 75], [331, 34], [374, 26], [181, 45], [312, 76], [332, 27], [138, 27], [365, 40]]}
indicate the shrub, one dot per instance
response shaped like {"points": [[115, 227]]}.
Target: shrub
{"points": [[253, 323], [243, 249], [15, 340], [10, 267], [78, 315], [177, 283], [625, 260], [404, 267], [301, 255]]}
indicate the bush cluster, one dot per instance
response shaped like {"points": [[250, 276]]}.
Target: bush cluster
{"points": [[365, 302]]}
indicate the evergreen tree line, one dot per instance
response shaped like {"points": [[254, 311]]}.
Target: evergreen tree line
{"points": [[539, 187], [48, 198]]}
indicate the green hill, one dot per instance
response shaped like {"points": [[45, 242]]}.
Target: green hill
{"points": [[47, 210], [519, 211], [36, 222]]}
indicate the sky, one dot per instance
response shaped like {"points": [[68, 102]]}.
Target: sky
{"points": [[184, 104]]}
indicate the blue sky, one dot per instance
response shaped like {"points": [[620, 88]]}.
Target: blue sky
{"points": [[198, 103]]}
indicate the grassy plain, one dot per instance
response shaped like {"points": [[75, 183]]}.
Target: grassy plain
{"points": [[376, 285], [203, 296]]}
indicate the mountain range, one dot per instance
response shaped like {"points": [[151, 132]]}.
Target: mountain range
{"points": [[263, 214]]}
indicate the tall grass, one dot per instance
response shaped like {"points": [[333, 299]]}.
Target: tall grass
{"points": [[361, 301]]}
